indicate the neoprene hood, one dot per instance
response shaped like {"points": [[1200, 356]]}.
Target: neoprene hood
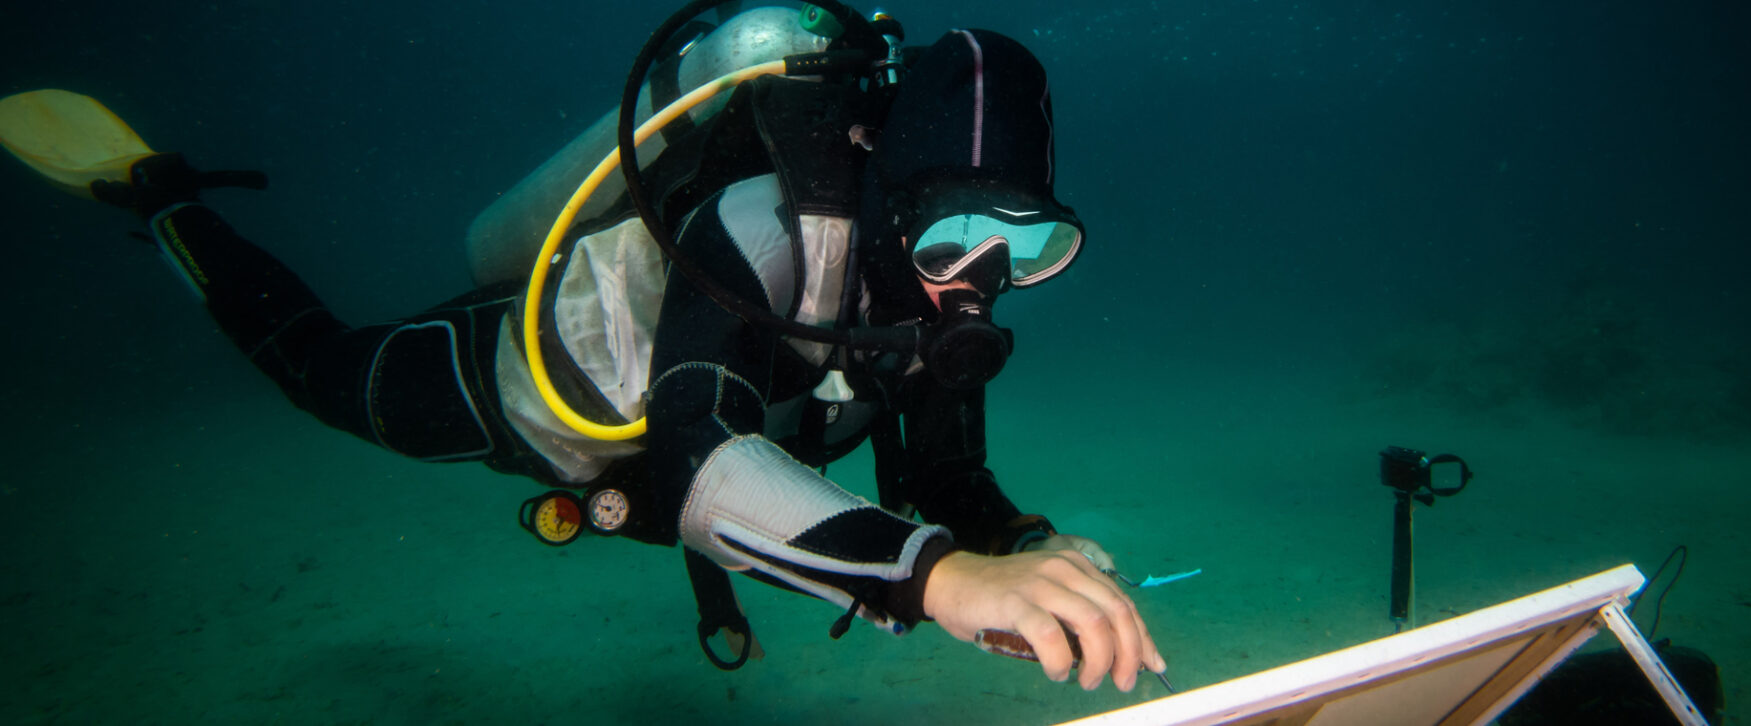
{"points": [[974, 110]]}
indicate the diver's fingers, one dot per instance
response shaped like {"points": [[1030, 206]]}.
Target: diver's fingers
{"points": [[1095, 553], [1152, 652], [1133, 646], [1136, 649], [1125, 609], [1112, 635], [1075, 596], [1094, 631], [1049, 642]]}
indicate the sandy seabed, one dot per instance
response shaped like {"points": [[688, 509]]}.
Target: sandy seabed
{"points": [[227, 560]]}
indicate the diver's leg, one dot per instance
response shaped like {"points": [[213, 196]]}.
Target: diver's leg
{"points": [[423, 387]]}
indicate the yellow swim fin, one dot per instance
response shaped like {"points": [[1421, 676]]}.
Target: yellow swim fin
{"points": [[69, 138]]}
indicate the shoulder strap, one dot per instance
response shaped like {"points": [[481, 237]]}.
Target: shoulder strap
{"points": [[805, 127], [798, 129]]}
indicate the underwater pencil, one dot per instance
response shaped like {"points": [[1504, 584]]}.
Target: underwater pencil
{"points": [[1010, 643]]}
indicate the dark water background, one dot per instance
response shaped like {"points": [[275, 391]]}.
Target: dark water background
{"points": [[1483, 206], [1258, 176]]}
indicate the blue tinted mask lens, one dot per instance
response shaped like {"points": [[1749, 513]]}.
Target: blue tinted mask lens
{"points": [[1036, 251]]}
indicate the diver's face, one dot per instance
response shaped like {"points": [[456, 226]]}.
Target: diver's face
{"points": [[934, 289]]}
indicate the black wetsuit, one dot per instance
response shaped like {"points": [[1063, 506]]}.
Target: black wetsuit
{"points": [[424, 387], [733, 430]]}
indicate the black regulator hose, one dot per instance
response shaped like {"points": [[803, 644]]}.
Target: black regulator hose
{"points": [[859, 35]]}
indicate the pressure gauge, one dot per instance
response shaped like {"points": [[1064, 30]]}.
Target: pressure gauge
{"points": [[555, 518], [558, 517], [608, 510]]}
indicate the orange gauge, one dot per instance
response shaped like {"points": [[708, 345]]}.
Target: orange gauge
{"points": [[555, 518]]}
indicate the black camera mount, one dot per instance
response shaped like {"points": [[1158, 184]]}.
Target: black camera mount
{"points": [[1410, 474]]}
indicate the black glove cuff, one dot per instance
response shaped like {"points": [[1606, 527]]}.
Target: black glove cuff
{"points": [[905, 599], [1020, 532]]}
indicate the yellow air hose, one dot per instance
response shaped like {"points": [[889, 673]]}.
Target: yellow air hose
{"points": [[550, 248]]}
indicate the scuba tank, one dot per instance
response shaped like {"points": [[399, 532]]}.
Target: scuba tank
{"points": [[504, 237]]}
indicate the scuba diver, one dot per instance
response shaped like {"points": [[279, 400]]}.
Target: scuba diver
{"points": [[832, 240]]}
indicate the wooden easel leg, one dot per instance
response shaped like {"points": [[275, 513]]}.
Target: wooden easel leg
{"points": [[1651, 665]]}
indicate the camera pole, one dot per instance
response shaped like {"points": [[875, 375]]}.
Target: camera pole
{"points": [[1402, 576], [1407, 473]]}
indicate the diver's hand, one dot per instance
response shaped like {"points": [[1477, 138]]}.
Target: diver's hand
{"points": [[1072, 543], [1029, 593]]}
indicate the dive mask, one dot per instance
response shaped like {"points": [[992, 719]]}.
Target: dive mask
{"points": [[959, 226]]}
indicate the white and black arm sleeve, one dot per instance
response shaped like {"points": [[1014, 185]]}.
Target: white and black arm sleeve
{"points": [[754, 508]]}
